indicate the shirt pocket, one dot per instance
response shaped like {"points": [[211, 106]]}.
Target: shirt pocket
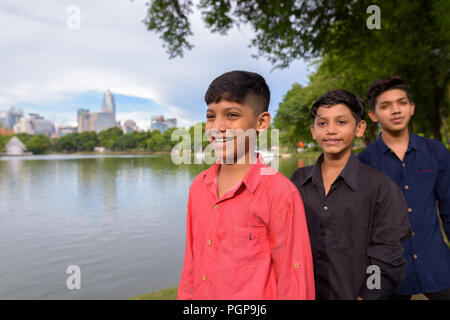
{"points": [[249, 244]]}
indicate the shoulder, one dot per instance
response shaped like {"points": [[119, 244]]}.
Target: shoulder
{"points": [[433, 151], [300, 174], [277, 184], [198, 181], [368, 152], [375, 178]]}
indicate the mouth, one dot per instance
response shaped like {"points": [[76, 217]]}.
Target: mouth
{"points": [[220, 141], [332, 142], [397, 120]]}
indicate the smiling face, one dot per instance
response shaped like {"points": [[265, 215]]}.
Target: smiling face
{"points": [[232, 128], [335, 128], [393, 110]]}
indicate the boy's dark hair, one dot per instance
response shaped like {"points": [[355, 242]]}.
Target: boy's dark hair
{"points": [[385, 84], [241, 87], [332, 98]]}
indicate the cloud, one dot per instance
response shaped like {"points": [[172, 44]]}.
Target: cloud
{"points": [[46, 63]]}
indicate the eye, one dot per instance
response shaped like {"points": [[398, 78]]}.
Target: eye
{"points": [[209, 116], [321, 123], [342, 122], [383, 107], [233, 115]]}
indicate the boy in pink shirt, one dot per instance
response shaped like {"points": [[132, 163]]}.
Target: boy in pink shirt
{"points": [[246, 233]]}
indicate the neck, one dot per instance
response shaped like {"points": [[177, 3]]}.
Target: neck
{"points": [[335, 161], [391, 138], [239, 166]]}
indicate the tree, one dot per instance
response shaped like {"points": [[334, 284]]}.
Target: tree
{"points": [[156, 142], [125, 142], [108, 137], [413, 42], [39, 144]]}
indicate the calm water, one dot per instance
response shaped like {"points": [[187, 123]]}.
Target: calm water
{"points": [[121, 219]]}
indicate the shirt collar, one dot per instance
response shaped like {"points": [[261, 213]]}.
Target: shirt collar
{"points": [[412, 144], [348, 174], [251, 178]]}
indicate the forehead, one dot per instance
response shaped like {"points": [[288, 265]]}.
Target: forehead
{"points": [[391, 95], [224, 105], [336, 110]]}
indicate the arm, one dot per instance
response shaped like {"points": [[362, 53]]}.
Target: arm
{"points": [[390, 226], [442, 187], [186, 285], [290, 249]]}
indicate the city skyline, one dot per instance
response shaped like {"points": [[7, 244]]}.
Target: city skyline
{"points": [[65, 69]]}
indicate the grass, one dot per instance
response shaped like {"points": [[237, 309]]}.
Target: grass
{"points": [[165, 294], [171, 294]]}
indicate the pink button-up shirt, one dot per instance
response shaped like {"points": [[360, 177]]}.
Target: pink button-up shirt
{"points": [[252, 243]]}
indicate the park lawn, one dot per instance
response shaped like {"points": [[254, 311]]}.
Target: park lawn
{"points": [[171, 294], [165, 294]]}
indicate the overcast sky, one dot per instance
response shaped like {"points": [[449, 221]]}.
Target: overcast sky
{"points": [[48, 68]]}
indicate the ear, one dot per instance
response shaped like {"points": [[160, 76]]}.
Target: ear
{"points": [[264, 119], [413, 107], [361, 128], [312, 132], [372, 116]]}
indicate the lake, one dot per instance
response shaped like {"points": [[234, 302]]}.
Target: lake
{"points": [[119, 218]]}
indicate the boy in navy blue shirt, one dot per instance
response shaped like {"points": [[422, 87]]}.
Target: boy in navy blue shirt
{"points": [[421, 168]]}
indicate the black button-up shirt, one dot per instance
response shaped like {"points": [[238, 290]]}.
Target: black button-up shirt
{"points": [[359, 223]]}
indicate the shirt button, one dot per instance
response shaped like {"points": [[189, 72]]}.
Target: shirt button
{"points": [[409, 210], [325, 208], [203, 277], [406, 187], [296, 265], [413, 233], [209, 242], [216, 206], [403, 165], [415, 256]]}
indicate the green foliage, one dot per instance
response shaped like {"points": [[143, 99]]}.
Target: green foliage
{"points": [[39, 144], [108, 137], [413, 42]]}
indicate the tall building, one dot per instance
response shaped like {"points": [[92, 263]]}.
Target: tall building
{"points": [[34, 124], [129, 126], [161, 124], [9, 118], [98, 121], [109, 103]]}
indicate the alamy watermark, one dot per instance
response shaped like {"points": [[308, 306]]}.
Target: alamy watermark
{"points": [[73, 20], [374, 20], [227, 147], [74, 280]]}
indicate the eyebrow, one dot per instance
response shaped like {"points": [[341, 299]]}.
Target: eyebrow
{"points": [[390, 101], [225, 109], [338, 116]]}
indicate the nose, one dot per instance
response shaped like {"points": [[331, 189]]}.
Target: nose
{"points": [[395, 108], [331, 129]]}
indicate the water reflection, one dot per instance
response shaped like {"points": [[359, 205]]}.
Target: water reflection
{"points": [[120, 218]]}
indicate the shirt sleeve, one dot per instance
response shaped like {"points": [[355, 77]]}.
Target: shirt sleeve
{"points": [[390, 226], [185, 288], [290, 249], [442, 187]]}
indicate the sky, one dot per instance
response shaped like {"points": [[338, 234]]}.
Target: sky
{"points": [[52, 63]]}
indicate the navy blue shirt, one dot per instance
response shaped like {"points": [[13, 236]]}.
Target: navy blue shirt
{"points": [[424, 178]]}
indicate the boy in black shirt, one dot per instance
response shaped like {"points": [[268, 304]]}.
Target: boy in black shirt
{"points": [[356, 215]]}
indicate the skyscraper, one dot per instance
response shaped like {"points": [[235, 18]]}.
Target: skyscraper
{"points": [[98, 121]]}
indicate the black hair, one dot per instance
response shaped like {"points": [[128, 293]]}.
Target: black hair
{"points": [[241, 87], [331, 98], [385, 84]]}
